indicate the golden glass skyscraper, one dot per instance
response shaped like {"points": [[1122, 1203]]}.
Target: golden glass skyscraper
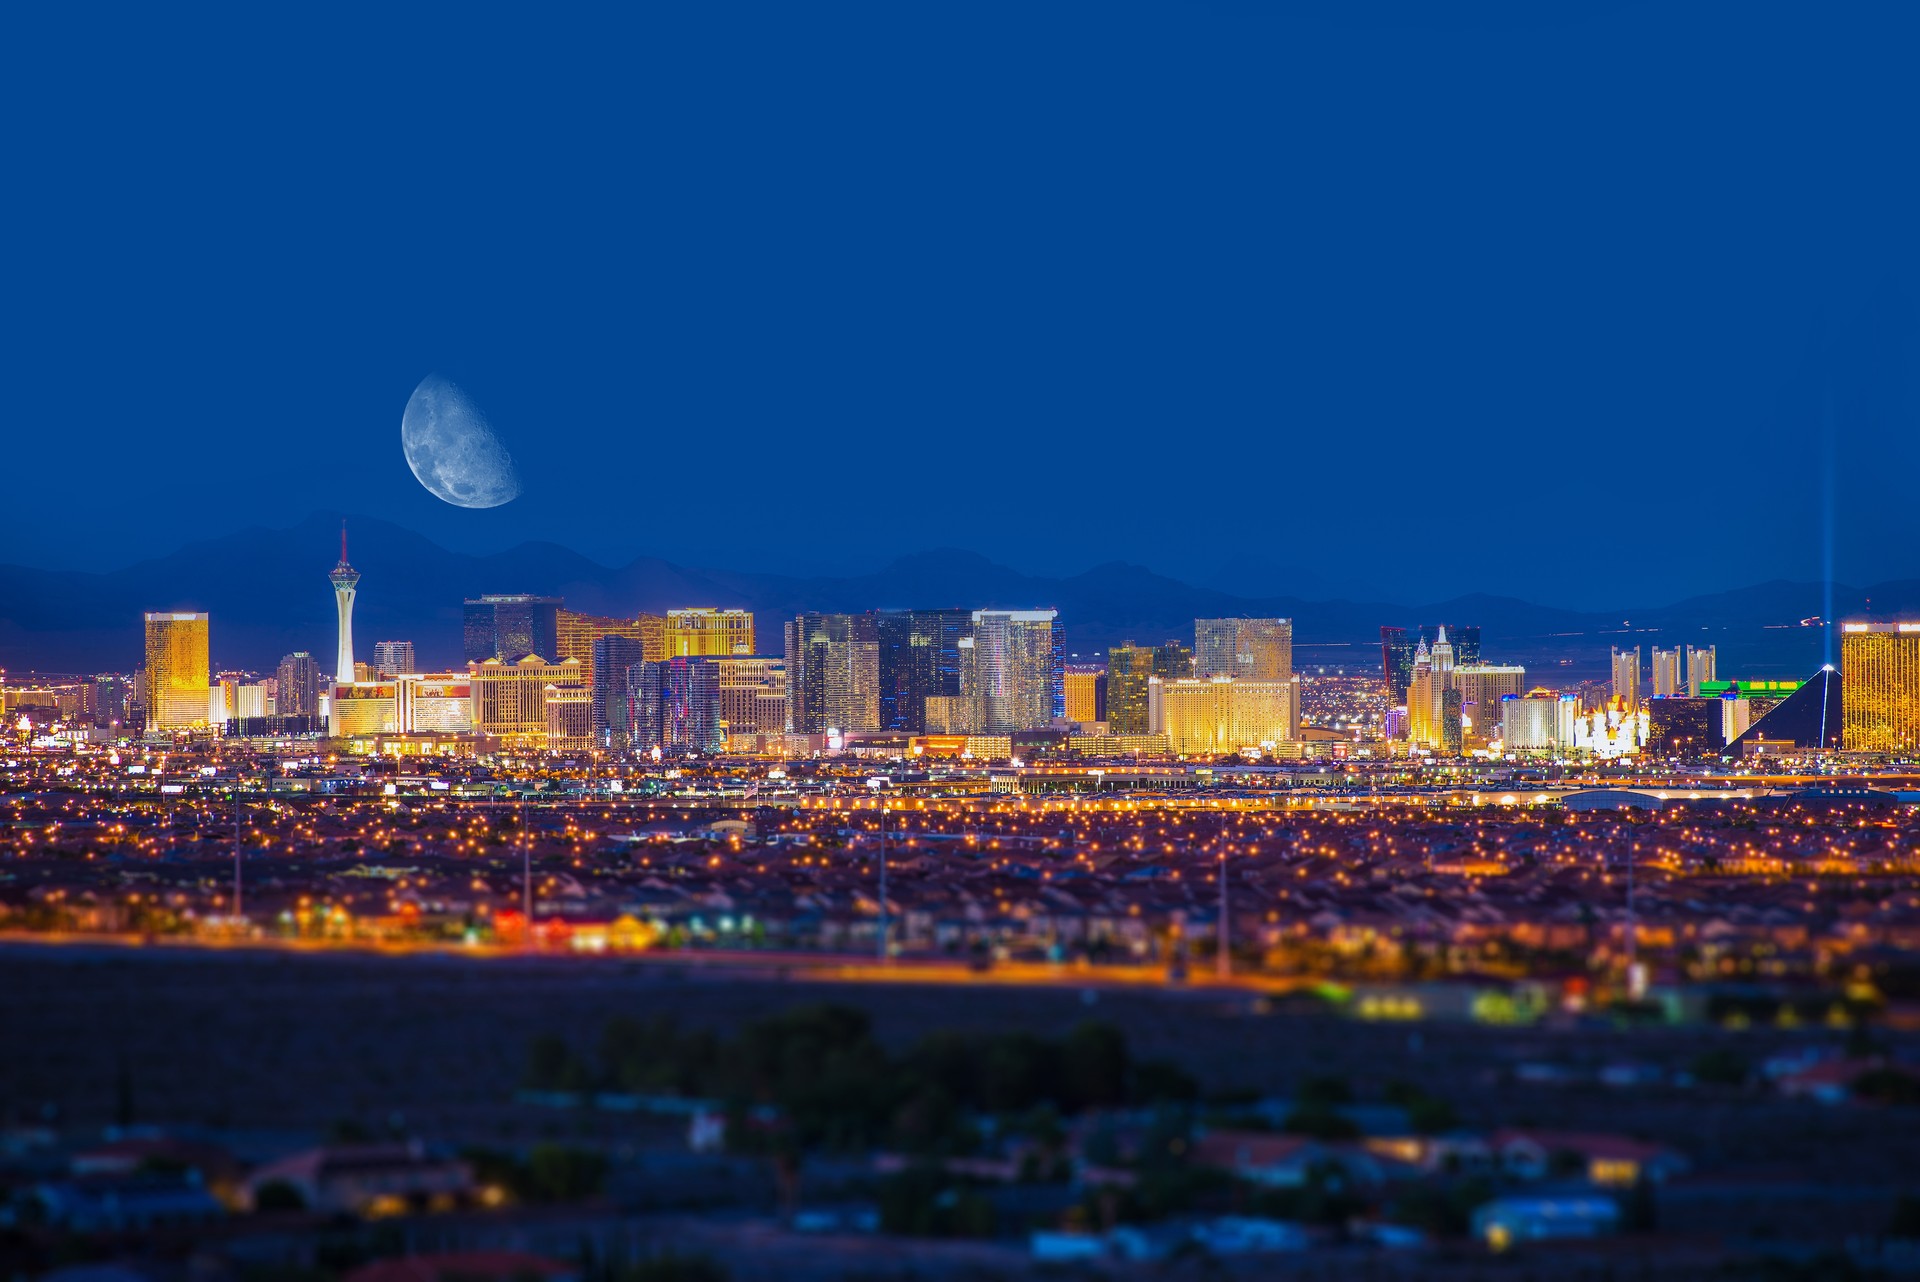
{"points": [[1880, 687], [704, 630], [178, 670], [1206, 716], [577, 633], [1086, 693]]}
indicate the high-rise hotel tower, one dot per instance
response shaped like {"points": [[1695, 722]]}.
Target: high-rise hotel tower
{"points": [[177, 670], [1879, 687], [1256, 649]]}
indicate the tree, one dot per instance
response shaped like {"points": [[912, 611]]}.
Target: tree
{"points": [[1156, 1081], [1638, 1208], [1323, 1092], [1093, 1067], [552, 1065], [1721, 1066], [555, 1173], [1887, 1086], [671, 1267], [1321, 1123], [1426, 1114], [278, 1195]]}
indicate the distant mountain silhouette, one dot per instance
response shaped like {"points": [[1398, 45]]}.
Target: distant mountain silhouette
{"points": [[268, 594]]}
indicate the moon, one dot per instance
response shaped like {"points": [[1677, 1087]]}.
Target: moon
{"points": [[451, 449]]}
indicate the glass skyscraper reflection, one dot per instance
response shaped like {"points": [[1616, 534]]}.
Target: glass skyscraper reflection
{"points": [[919, 659], [509, 628]]}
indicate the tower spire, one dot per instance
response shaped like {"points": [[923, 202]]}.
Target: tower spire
{"points": [[344, 579]]}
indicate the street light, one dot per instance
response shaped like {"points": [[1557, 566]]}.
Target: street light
{"points": [[1223, 963], [885, 923]]}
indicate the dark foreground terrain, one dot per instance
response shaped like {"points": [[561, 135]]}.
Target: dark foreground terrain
{"points": [[268, 1047]]}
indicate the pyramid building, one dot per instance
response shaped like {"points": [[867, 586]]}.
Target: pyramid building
{"points": [[1807, 718]]}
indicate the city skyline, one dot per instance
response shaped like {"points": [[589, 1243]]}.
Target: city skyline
{"points": [[994, 641], [989, 684], [209, 576]]}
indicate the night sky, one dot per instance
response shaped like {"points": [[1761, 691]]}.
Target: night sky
{"points": [[1582, 311]]}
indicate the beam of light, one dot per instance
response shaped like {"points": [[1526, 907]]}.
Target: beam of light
{"points": [[1828, 450]]}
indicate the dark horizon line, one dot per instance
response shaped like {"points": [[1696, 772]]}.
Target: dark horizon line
{"points": [[334, 515]]}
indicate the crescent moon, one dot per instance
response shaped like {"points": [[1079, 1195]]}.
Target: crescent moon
{"points": [[452, 450]]}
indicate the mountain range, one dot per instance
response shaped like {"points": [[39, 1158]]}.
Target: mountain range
{"points": [[267, 592]]}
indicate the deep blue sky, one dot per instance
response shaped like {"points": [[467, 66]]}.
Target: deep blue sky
{"points": [[1555, 309]]}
